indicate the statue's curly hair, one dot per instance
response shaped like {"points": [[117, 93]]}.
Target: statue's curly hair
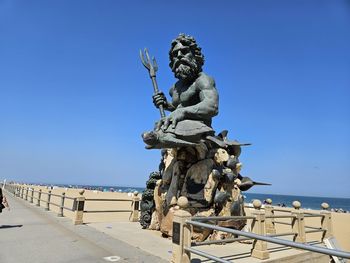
{"points": [[189, 41]]}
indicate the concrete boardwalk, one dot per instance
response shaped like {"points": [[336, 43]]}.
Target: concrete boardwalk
{"points": [[153, 243], [30, 234]]}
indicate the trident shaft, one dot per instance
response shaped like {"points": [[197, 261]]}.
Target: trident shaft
{"points": [[152, 67]]}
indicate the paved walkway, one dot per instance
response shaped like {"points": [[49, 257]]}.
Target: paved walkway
{"points": [[153, 243], [30, 234]]}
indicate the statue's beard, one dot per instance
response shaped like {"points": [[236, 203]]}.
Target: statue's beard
{"points": [[186, 69]]}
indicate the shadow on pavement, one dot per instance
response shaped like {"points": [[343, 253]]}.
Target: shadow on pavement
{"points": [[10, 226]]}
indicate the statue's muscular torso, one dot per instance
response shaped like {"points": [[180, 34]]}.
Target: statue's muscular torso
{"points": [[201, 92], [184, 94]]}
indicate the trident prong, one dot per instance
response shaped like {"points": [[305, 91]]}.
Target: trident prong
{"points": [[147, 62], [143, 60], [152, 67], [155, 65]]}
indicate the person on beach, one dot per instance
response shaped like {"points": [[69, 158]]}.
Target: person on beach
{"points": [[4, 203]]}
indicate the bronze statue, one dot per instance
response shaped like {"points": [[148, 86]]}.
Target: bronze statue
{"points": [[194, 102], [196, 163]]}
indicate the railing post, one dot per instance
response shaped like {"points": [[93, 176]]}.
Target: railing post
{"points": [[326, 221], [62, 205], [269, 222], [298, 223], [27, 189], [135, 207], [48, 200], [182, 233], [79, 208], [22, 193], [39, 198], [32, 196], [259, 249]]}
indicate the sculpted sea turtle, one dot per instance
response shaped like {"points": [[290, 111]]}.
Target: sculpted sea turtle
{"points": [[185, 133]]}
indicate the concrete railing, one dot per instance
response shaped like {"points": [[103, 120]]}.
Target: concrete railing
{"points": [[73, 207], [263, 231]]}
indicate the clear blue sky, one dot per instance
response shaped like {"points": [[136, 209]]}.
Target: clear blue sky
{"points": [[74, 97]]}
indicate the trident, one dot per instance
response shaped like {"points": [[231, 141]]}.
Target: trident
{"points": [[152, 67]]}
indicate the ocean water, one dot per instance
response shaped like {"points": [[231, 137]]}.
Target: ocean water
{"points": [[106, 188], [307, 202]]}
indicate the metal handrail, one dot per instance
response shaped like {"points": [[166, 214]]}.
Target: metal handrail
{"points": [[315, 230], [56, 195], [204, 254], [322, 250], [221, 218], [277, 216], [282, 223], [54, 204], [221, 241], [106, 211], [49, 202], [46, 193], [313, 227], [70, 198], [283, 210], [230, 240], [96, 199], [67, 208], [312, 215]]}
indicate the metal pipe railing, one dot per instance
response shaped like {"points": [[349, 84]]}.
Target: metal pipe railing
{"points": [[231, 240], [221, 218], [312, 227], [282, 210], [204, 254], [27, 192], [312, 215], [96, 199], [68, 208], [315, 231], [283, 223], [280, 216], [220, 241], [322, 250], [106, 211]]}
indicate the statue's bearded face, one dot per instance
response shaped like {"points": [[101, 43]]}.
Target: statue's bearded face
{"points": [[184, 64]]}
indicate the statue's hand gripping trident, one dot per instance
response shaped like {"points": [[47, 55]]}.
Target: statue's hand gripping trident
{"points": [[152, 67]]}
